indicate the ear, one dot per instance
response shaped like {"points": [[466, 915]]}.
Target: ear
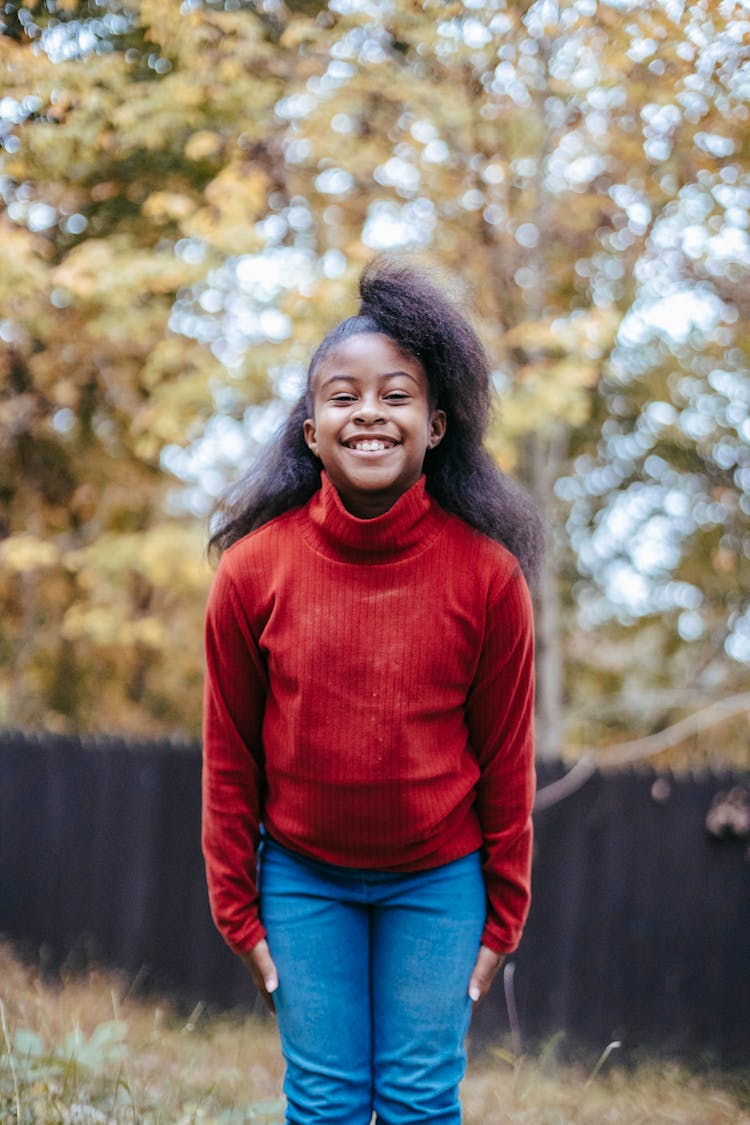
{"points": [[438, 423], [308, 429]]}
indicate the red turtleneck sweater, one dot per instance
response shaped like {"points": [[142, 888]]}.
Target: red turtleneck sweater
{"points": [[369, 698]]}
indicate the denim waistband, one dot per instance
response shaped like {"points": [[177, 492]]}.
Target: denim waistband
{"points": [[370, 874]]}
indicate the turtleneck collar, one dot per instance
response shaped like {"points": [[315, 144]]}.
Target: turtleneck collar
{"points": [[406, 529]]}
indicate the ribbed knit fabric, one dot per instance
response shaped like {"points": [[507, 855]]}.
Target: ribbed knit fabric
{"points": [[369, 698]]}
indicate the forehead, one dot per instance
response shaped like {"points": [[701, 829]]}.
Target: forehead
{"points": [[368, 353]]}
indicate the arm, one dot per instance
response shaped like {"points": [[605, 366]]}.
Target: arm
{"points": [[500, 719], [233, 766]]}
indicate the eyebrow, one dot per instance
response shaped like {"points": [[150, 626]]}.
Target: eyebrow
{"points": [[382, 378]]}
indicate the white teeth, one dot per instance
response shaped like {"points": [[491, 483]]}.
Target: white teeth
{"points": [[370, 446]]}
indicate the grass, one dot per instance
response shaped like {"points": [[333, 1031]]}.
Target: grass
{"points": [[83, 1051]]}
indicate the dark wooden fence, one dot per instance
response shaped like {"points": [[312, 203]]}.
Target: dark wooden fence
{"points": [[639, 929]]}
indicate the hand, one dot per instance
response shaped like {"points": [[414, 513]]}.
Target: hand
{"points": [[487, 964], [261, 965]]}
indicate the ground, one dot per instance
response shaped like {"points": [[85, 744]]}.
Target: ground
{"points": [[85, 1051]]}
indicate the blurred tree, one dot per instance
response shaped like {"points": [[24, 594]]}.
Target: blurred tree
{"points": [[129, 128], [541, 153], [190, 194]]}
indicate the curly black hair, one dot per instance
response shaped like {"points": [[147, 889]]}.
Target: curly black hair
{"points": [[403, 304]]}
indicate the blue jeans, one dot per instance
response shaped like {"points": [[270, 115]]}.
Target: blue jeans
{"points": [[372, 1003]]}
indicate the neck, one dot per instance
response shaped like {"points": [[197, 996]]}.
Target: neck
{"points": [[368, 507], [405, 528]]}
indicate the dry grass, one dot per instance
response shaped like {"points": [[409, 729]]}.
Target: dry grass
{"points": [[651, 1094], [82, 1052], [133, 1061]]}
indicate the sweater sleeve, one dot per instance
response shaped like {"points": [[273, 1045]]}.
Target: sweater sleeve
{"points": [[233, 765], [500, 715]]}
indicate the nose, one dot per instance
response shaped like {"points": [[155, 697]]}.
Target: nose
{"points": [[369, 411]]}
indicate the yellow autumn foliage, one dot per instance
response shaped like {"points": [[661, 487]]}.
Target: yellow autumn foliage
{"points": [[114, 272], [203, 145], [24, 553], [168, 206], [495, 145]]}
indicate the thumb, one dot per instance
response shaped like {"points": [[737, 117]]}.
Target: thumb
{"points": [[265, 966], [487, 964], [260, 963]]}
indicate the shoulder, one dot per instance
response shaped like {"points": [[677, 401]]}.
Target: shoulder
{"points": [[490, 576], [278, 535], [249, 570], [486, 557]]}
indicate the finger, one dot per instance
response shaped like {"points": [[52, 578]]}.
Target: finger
{"points": [[487, 964], [261, 965], [261, 956], [260, 984]]}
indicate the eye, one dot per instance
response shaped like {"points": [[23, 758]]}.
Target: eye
{"points": [[397, 396], [342, 397]]}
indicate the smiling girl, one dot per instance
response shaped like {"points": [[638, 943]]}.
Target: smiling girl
{"points": [[368, 746]]}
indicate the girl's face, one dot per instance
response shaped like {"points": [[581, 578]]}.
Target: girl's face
{"points": [[372, 421]]}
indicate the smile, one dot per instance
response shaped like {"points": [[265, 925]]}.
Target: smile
{"points": [[369, 445]]}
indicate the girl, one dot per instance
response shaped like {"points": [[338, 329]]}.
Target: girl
{"points": [[368, 714]]}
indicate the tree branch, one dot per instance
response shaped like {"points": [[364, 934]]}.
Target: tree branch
{"points": [[625, 753]]}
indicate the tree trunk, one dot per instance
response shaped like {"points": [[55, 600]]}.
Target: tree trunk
{"points": [[544, 458]]}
